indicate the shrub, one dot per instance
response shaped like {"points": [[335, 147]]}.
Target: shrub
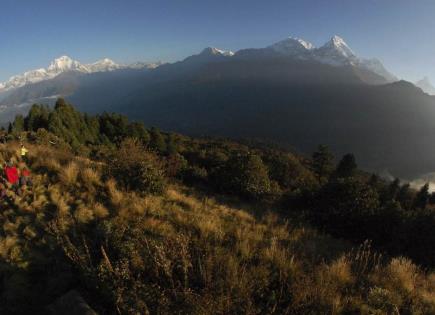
{"points": [[288, 171], [137, 169], [195, 174], [244, 174], [345, 206]]}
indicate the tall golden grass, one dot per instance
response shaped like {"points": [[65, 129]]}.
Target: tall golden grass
{"points": [[183, 252]]}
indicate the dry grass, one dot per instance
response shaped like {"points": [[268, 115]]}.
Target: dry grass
{"points": [[90, 177], [59, 201], [195, 254], [115, 195], [100, 211], [83, 214], [68, 174]]}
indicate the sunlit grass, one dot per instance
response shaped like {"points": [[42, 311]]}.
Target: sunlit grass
{"points": [[201, 255]]}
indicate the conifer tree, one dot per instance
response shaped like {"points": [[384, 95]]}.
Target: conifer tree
{"points": [[18, 125], [346, 167], [422, 197], [322, 163], [390, 192], [171, 145], [157, 142], [405, 196]]}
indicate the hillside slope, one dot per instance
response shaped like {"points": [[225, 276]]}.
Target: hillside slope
{"points": [[126, 251]]}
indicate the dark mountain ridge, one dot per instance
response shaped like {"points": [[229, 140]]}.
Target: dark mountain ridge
{"points": [[295, 103]]}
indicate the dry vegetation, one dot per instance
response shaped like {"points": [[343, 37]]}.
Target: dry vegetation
{"points": [[181, 252]]}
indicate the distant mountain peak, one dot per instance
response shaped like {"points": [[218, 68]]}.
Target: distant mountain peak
{"points": [[216, 51], [304, 43], [292, 46], [103, 65], [338, 41], [105, 61], [336, 51], [144, 65], [65, 64], [63, 58]]}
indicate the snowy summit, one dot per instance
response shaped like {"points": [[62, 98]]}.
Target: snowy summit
{"points": [[216, 52], [65, 64], [335, 52]]}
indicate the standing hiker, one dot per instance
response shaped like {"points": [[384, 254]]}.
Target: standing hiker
{"points": [[23, 152]]}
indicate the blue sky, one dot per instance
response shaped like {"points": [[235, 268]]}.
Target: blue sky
{"points": [[32, 33]]}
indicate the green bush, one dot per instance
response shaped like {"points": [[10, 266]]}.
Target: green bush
{"points": [[345, 207], [136, 168], [244, 174]]}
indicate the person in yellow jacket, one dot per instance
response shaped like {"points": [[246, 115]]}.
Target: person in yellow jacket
{"points": [[23, 152]]}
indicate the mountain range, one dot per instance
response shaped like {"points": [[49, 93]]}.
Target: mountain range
{"points": [[335, 52], [290, 93], [66, 64]]}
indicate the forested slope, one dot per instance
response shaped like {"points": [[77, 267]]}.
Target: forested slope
{"points": [[137, 220]]}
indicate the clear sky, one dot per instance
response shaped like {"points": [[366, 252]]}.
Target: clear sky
{"points": [[33, 32]]}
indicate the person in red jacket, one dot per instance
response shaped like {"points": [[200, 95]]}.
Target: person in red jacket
{"points": [[11, 174]]}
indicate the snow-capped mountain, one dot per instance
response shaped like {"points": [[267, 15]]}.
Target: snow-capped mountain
{"points": [[335, 52], [102, 65], [143, 65], [294, 47], [66, 64], [426, 86], [63, 64], [216, 52]]}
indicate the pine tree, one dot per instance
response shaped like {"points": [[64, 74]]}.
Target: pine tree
{"points": [[157, 142], [346, 167], [18, 125], [405, 196], [60, 103], [390, 192], [422, 197], [36, 118], [171, 145], [322, 163]]}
